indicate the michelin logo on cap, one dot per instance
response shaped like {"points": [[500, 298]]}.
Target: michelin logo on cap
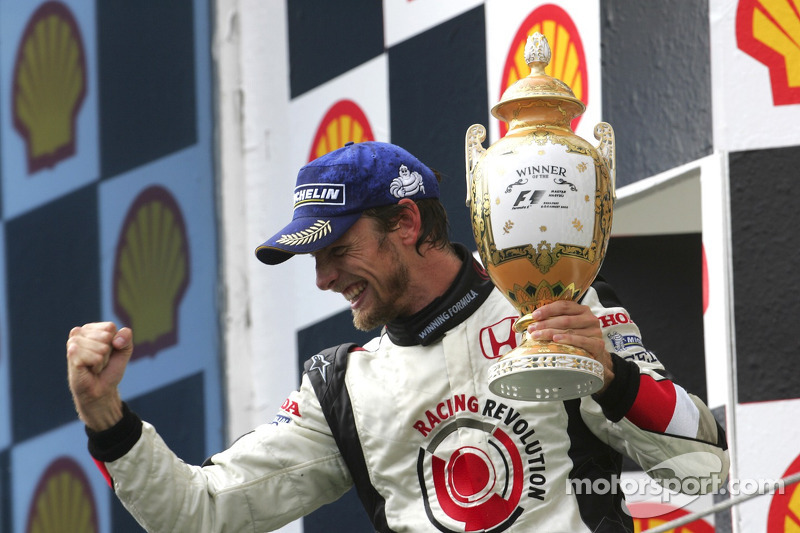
{"points": [[319, 193]]}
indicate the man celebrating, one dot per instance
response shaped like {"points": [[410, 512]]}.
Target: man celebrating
{"points": [[407, 418]]}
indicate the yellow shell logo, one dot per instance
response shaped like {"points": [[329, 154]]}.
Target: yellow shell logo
{"points": [[568, 61], [769, 31], [63, 501], [344, 122], [784, 510], [151, 270], [49, 85]]}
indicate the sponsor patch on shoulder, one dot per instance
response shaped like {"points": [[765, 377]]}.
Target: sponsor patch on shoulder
{"points": [[290, 408], [623, 342], [280, 419]]}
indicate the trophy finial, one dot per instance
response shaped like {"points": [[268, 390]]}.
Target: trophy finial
{"points": [[537, 53], [537, 86]]}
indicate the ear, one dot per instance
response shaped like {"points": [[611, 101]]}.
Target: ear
{"points": [[409, 223]]}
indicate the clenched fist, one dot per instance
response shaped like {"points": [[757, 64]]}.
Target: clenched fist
{"points": [[97, 355]]}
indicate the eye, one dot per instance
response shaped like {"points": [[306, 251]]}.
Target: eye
{"points": [[339, 251]]}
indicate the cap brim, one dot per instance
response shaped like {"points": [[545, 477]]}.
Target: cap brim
{"points": [[304, 235]]}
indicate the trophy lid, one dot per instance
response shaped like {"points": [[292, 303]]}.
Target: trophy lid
{"points": [[537, 85]]}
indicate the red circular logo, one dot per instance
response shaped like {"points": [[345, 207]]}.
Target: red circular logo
{"points": [[471, 477]]}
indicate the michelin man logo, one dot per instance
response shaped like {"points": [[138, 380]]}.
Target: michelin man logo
{"points": [[622, 342], [408, 183]]}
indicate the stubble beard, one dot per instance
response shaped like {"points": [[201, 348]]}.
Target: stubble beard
{"points": [[385, 308]]}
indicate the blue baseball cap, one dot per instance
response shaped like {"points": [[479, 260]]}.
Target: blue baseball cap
{"points": [[333, 191]]}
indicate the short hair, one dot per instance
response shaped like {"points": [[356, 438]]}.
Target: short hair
{"points": [[435, 229]]}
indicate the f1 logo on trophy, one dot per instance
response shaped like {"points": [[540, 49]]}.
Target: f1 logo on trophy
{"points": [[541, 201]]}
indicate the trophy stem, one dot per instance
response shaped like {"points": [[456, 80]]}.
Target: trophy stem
{"points": [[522, 323]]}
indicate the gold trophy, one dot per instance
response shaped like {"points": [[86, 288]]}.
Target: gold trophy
{"points": [[541, 201]]}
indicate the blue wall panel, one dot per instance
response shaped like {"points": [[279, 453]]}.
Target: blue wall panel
{"points": [[117, 137]]}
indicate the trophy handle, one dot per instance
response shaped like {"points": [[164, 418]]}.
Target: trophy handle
{"points": [[474, 151], [604, 133]]}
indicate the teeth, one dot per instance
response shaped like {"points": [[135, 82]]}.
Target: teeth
{"points": [[353, 291]]}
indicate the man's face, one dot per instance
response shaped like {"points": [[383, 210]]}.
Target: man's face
{"points": [[367, 268]]}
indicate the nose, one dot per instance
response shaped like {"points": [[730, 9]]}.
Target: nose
{"points": [[326, 274]]}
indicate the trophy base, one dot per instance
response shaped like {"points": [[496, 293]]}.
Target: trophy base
{"points": [[545, 371]]}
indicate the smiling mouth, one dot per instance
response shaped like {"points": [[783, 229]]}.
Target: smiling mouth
{"points": [[354, 291]]}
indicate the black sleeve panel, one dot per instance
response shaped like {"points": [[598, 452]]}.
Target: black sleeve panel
{"points": [[618, 398], [606, 293], [329, 386], [111, 444]]}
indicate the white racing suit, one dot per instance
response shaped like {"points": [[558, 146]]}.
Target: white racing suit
{"points": [[409, 419]]}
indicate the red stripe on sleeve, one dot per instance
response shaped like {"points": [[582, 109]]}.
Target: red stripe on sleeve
{"points": [[654, 405], [103, 470]]}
